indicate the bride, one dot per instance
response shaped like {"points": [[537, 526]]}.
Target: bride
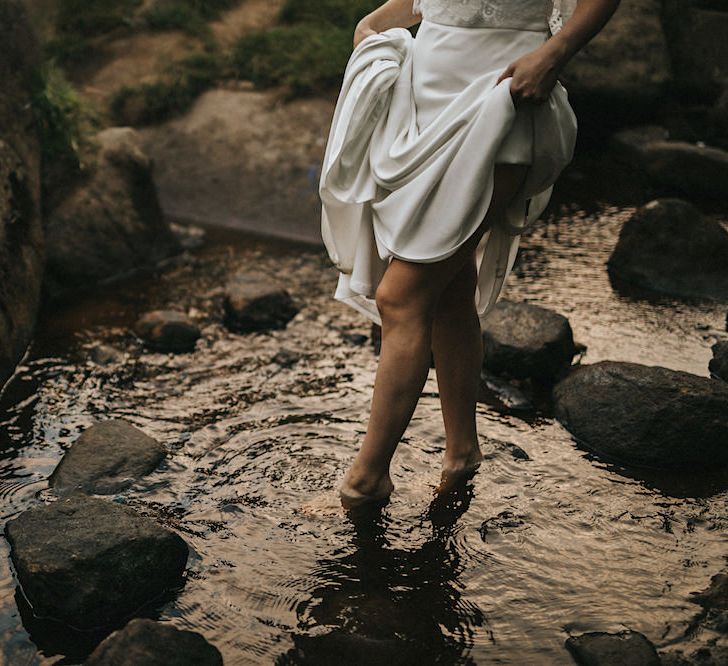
{"points": [[442, 147]]}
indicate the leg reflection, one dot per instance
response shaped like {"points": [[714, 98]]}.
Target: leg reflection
{"points": [[386, 604]]}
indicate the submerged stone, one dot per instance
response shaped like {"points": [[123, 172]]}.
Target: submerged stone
{"points": [[626, 648], [646, 415], [107, 457], [89, 562], [253, 302], [168, 331], [144, 642]]}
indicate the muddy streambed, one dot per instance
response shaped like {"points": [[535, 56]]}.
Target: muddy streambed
{"points": [[535, 549]]}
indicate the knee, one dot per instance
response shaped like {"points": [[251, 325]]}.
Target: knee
{"points": [[396, 304]]}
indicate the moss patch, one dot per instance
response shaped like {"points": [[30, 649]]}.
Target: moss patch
{"points": [[173, 93]]}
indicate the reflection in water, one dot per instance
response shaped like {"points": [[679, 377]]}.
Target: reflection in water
{"points": [[390, 604]]}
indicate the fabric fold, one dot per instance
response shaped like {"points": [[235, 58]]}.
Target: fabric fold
{"points": [[408, 167]]}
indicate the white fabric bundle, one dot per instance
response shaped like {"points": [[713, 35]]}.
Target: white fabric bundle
{"points": [[408, 166]]}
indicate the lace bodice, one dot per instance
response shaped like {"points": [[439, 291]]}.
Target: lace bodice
{"points": [[545, 15]]}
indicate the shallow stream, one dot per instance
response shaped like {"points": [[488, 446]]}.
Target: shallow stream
{"points": [[534, 549]]}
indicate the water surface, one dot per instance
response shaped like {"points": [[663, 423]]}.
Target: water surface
{"points": [[534, 549]]}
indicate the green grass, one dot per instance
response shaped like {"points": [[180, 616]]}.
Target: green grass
{"points": [[305, 57], [308, 51], [191, 16], [336, 12], [64, 124], [172, 94], [79, 21]]}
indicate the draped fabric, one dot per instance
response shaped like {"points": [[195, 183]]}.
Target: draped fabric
{"points": [[408, 167]]}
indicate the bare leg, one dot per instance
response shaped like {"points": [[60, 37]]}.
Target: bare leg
{"points": [[457, 346], [407, 298]]}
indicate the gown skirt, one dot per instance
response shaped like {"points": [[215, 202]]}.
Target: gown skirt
{"points": [[418, 126]]}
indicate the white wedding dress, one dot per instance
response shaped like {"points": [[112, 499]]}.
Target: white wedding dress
{"points": [[419, 125]]}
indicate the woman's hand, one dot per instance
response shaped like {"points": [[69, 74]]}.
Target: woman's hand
{"points": [[363, 29], [534, 76]]}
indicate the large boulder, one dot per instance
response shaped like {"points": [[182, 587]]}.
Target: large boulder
{"points": [[144, 642], [668, 246], [21, 231], [697, 43], [626, 648], [718, 365], [90, 563], [522, 340], [110, 223], [646, 415], [625, 69], [692, 169], [107, 458]]}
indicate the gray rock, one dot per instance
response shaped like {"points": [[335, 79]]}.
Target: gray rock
{"points": [[144, 642], [599, 648], [110, 223], [253, 302], [646, 415], [168, 331], [522, 340], [107, 457], [694, 170], [89, 562], [718, 365], [507, 396], [668, 246], [105, 355], [21, 230], [704, 656]]}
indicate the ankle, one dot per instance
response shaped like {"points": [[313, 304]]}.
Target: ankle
{"points": [[462, 453], [366, 480]]}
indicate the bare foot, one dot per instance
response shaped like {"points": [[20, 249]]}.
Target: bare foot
{"points": [[456, 469], [357, 492]]}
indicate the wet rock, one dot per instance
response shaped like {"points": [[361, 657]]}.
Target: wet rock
{"points": [[704, 656], [110, 222], [507, 396], [716, 595], [105, 355], [144, 642], [107, 457], [253, 302], [668, 246], [599, 648], [286, 358], [693, 169], [646, 415], [90, 562], [168, 331], [522, 340], [718, 365], [21, 230]]}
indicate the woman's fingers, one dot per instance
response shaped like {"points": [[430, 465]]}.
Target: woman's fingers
{"points": [[508, 71]]}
